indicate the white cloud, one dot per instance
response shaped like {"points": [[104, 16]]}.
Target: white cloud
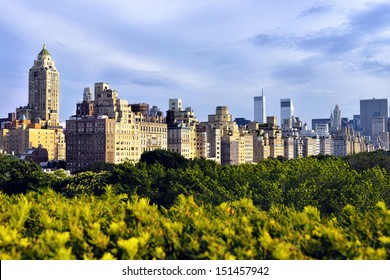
{"points": [[223, 52]]}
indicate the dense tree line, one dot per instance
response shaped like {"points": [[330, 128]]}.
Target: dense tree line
{"points": [[168, 207], [328, 183], [48, 225], [363, 161]]}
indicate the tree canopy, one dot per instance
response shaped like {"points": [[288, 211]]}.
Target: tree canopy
{"points": [[328, 183]]}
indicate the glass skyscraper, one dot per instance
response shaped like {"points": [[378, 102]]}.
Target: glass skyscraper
{"points": [[372, 110], [259, 109], [286, 109]]}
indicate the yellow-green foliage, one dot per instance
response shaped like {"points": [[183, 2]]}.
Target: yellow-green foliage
{"points": [[48, 225]]}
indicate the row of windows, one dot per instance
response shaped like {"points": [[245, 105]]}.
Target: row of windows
{"points": [[178, 140], [127, 148], [127, 154], [88, 126], [76, 157], [179, 150], [153, 129]]}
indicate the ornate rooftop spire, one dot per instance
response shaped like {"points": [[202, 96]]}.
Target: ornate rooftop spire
{"points": [[44, 51]]}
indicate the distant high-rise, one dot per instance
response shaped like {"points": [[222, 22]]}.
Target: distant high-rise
{"points": [[320, 122], [44, 89], [370, 111], [356, 122], [88, 94], [259, 108], [156, 112], [336, 118], [286, 109], [85, 108], [378, 124], [175, 104]]}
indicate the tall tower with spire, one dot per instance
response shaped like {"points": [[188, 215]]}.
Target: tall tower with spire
{"points": [[44, 89]]}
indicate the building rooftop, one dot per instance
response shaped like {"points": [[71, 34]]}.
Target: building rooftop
{"points": [[44, 51]]}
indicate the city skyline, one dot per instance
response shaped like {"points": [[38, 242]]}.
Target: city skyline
{"points": [[204, 52], [112, 130]]}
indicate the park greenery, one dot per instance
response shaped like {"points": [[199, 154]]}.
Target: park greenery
{"points": [[168, 207]]}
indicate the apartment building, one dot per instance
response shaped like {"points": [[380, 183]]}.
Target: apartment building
{"points": [[24, 135], [112, 131], [89, 140]]}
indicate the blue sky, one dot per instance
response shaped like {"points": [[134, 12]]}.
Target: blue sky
{"points": [[209, 53]]}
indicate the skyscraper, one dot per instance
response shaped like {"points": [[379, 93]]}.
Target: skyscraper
{"points": [[370, 111], [336, 118], [259, 108], [44, 89], [286, 109], [37, 124]]}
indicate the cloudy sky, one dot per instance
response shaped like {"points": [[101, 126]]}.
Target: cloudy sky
{"points": [[209, 53]]}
